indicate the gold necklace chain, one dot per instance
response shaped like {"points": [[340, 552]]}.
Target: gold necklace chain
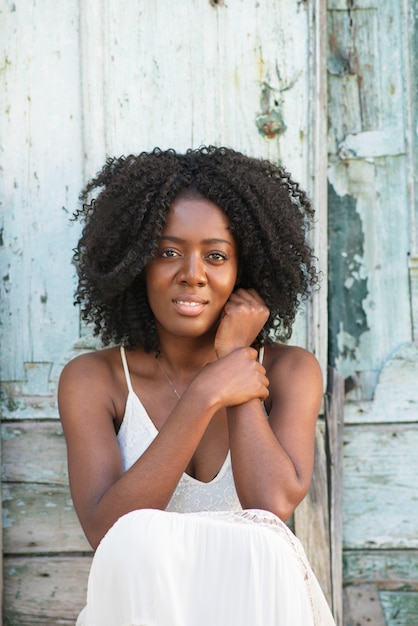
{"points": [[167, 377]]}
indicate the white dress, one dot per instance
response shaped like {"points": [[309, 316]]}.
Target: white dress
{"points": [[202, 562]]}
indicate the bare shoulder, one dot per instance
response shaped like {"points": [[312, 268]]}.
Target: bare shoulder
{"points": [[95, 364], [293, 373], [290, 359], [90, 380]]}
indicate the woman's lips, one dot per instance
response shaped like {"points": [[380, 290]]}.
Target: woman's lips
{"points": [[188, 306]]}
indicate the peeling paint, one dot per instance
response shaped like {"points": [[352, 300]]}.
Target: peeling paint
{"points": [[270, 122], [347, 279], [8, 521], [271, 125], [11, 404]]}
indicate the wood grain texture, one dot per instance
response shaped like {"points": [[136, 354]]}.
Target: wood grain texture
{"points": [[390, 570], [34, 452], [40, 519], [40, 129], [400, 607], [78, 84], [362, 606], [334, 417], [44, 591], [368, 168], [380, 494], [396, 395], [311, 518]]}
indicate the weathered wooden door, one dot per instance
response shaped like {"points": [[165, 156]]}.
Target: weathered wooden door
{"points": [[372, 112], [81, 81]]}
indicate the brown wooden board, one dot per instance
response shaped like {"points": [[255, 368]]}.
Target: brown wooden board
{"points": [[311, 518], [40, 591], [40, 519], [334, 416], [34, 451]]}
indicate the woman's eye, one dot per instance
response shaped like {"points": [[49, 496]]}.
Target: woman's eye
{"points": [[217, 256], [168, 253]]}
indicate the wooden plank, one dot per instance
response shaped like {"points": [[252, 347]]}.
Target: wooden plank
{"points": [[317, 309], [1, 542], [373, 143], [44, 591], [15, 406], [341, 5], [367, 75], [368, 327], [362, 606], [365, 605], [34, 452], [41, 112], [400, 608], [311, 518], [411, 111], [40, 519], [389, 570], [396, 395], [380, 472], [334, 416], [413, 278], [264, 38]]}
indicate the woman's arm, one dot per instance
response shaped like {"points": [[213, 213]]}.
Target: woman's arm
{"points": [[101, 491], [272, 459]]}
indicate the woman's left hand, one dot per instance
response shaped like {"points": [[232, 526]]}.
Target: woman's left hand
{"points": [[243, 318]]}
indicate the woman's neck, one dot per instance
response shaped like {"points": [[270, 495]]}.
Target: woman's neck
{"points": [[186, 356]]}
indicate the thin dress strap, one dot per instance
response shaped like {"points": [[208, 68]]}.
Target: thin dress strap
{"points": [[126, 369], [261, 354]]}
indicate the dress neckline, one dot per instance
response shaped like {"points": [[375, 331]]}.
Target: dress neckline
{"points": [[133, 396]]}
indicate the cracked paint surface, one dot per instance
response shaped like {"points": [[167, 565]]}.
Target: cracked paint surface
{"points": [[347, 280]]}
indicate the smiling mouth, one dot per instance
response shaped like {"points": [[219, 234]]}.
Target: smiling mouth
{"points": [[189, 307], [188, 303]]}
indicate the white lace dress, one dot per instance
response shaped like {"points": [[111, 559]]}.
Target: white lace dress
{"points": [[202, 562]]}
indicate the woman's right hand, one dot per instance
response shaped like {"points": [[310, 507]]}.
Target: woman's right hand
{"points": [[235, 378]]}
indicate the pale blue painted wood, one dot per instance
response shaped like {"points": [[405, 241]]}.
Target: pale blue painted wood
{"points": [[40, 129], [368, 140], [372, 151], [85, 80], [380, 494]]}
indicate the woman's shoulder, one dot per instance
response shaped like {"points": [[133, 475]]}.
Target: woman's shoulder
{"points": [[292, 365], [98, 362], [283, 356], [102, 368], [92, 379], [293, 372]]}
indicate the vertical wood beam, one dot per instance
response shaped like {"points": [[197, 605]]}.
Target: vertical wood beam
{"points": [[311, 518], [93, 84], [317, 314], [410, 62], [334, 416]]}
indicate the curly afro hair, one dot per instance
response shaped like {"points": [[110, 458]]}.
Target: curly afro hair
{"points": [[269, 216]]}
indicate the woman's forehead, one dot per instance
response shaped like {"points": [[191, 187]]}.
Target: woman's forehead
{"points": [[188, 213]]}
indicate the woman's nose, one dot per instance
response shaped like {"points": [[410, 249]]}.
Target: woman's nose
{"points": [[192, 270]]}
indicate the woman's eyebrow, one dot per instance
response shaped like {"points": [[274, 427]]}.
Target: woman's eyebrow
{"points": [[206, 241]]}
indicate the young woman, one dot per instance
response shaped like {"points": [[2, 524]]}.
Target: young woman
{"points": [[190, 441]]}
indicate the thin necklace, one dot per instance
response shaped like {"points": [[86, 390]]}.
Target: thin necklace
{"points": [[167, 378]]}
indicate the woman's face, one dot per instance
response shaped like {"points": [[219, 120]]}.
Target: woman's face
{"points": [[194, 270]]}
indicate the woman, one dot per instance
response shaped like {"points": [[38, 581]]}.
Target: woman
{"points": [[190, 442]]}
